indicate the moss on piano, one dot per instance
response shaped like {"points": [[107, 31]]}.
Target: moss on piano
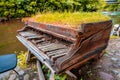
{"points": [[68, 19]]}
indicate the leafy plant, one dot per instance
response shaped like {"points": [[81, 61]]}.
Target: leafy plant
{"points": [[57, 77], [22, 59], [23, 8]]}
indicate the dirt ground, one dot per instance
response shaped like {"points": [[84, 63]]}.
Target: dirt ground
{"points": [[107, 68]]}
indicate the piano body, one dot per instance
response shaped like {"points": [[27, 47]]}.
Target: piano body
{"points": [[61, 48]]}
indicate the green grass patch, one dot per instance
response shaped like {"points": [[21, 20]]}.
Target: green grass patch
{"points": [[69, 19]]}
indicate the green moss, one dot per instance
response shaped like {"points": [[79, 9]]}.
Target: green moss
{"points": [[68, 19]]}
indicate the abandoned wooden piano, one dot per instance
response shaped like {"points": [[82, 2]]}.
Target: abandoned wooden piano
{"points": [[62, 49]]}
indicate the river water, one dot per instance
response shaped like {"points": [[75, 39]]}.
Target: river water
{"points": [[8, 40]]}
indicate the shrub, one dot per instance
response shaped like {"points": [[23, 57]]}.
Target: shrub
{"points": [[22, 8], [17, 8]]}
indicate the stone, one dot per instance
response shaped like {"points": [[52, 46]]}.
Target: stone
{"points": [[21, 72], [114, 59], [17, 68], [116, 65], [118, 76], [16, 79], [26, 77], [118, 54], [107, 55], [115, 71], [34, 79], [98, 67], [113, 51], [12, 77], [5, 74], [106, 76]]}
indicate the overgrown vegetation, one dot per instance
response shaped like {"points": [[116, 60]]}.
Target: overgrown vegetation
{"points": [[22, 59], [112, 7], [57, 77], [22, 8], [71, 20]]}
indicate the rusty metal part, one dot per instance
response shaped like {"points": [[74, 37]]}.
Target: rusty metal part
{"points": [[62, 49]]}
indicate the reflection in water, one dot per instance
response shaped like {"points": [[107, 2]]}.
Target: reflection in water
{"points": [[8, 40], [115, 16]]}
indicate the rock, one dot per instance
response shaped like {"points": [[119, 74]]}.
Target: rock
{"points": [[118, 76], [114, 59], [107, 55], [116, 72], [5, 74], [118, 54], [34, 79], [106, 76], [98, 67], [113, 51], [26, 77], [17, 68], [12, 77], [21, 72], [108, 64], [116, 65], [16, 79]]}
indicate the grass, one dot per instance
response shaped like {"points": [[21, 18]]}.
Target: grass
{"points": [[70, 20]]}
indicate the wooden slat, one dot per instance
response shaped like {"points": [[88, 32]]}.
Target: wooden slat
{"points": [[45, 45], [38, 41], [60, 51], [57, 56], [40, 72], [53, 47], [35, 37], [27, 33]]}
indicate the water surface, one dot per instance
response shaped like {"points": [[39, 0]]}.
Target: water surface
{"points": [[8, 40]]}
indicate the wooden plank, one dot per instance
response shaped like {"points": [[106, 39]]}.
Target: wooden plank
{"points": [[34, 37], [52, 76], [45, 45], [40, 72], [27, 33], [57, 56], [38, 41], [71, 74], [60, 51], [53, 47], [28, 56]]}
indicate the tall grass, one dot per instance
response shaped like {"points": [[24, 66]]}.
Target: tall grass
{"points": [[68, 19]]}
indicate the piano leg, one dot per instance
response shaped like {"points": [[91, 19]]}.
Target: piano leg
{"points": [[52, 76], [28, 56], [71, 74]]}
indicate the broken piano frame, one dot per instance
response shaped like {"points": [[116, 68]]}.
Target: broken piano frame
{"points": [[62, 49]]}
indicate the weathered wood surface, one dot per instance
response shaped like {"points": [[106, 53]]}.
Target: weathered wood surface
{"points": [[65, 49]]}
